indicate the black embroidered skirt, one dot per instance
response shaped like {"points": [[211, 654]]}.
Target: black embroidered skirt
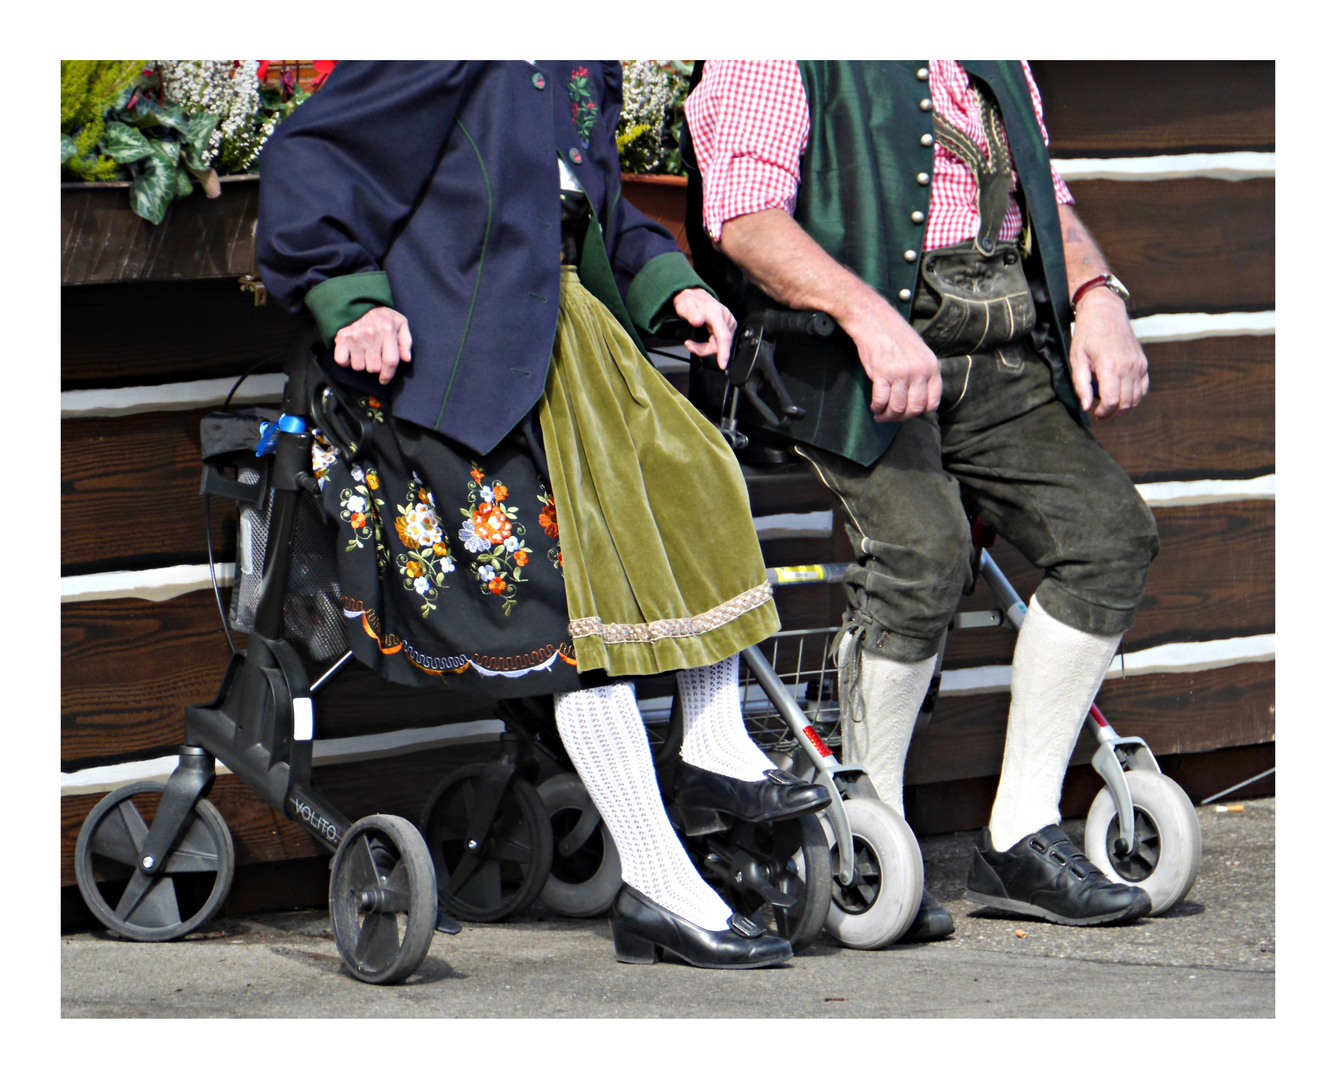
{"points": [[472, 571]]}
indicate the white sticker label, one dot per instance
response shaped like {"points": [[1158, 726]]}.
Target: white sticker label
{"points": [[303, 719]]}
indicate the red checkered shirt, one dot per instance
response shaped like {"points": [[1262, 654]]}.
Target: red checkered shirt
{"points": [[749, 126]]}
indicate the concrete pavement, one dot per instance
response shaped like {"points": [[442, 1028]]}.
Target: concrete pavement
{"points": [[1213, 956]]}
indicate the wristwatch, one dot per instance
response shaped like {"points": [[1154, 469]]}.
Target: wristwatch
{"points": [[1107, 280]]}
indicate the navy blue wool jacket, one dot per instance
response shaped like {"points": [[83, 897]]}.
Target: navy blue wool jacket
{"points": [[433, 188]]}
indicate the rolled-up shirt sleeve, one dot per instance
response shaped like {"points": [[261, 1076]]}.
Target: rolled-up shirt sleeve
{"points": [[1059, 185], [749, 127]]}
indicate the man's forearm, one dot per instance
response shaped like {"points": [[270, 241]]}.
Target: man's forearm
{"points": [[1082, 255], [777, 254]]}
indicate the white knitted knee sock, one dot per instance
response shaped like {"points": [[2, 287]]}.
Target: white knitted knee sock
{"points": [[602, 732], [1055, 674], [878, 718], [714, 735]]}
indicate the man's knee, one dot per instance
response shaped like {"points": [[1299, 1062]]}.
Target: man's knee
{"points": [[1101, 591], [906, 591]]}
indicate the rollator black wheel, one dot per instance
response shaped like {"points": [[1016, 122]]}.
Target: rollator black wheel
{"points": [[184, 894], [382, 899], [584, 880], [505, 873], [791, 857]]}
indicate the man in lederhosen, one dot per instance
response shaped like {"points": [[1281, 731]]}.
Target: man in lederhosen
{"points": [[915, 203]]}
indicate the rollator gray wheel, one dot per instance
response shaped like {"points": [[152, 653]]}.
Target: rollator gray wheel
{"points": [[584, 881], [1168, 835], [184, 894], [382, 899], [792, 857], [505, 873], [877, 907]]}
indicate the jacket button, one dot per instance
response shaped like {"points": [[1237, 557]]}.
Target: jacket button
{"points": [[921, 74], [905, 294], [575, 155], [926, 140], [926, 104], [910, 256], [986, 244], [923, 179], [538, 81], [917, 217]]}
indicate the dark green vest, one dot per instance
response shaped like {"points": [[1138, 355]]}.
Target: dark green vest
{"points": [[865, 177]]}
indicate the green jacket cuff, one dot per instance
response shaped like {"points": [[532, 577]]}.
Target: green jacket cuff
{"points": [[342, 300], [649, 299]]}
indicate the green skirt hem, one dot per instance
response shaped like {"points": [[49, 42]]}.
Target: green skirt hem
{"points": [[678, 654]]}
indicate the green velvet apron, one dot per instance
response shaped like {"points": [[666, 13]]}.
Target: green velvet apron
{"points": [[662, 567]]}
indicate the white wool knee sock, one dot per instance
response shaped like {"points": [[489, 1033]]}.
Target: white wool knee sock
{"points": [[1055, 674], [605, 738], [714, 735], [878, 717]]}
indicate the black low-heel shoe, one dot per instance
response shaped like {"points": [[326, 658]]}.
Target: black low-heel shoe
{"points": [[701, 796], [643, 930]]}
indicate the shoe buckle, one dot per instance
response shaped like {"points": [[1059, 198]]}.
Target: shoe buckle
{"points": [[740, 924]]}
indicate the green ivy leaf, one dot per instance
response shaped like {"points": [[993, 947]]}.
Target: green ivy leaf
{"points": [[198, 132], [153, 190], [67, 149], [123, 144]]}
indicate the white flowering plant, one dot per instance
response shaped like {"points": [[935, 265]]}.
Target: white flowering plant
{"points": [[175, 124], [649, 130]]}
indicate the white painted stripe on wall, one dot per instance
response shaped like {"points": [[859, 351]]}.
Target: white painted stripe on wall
{"points": [[1177, 659], [164, 583], [161, 583], [1172, 659], [169, 397], [205, 393], [323, 752], [775, 526], [1235, 165], [1188, 326], [1202, 492]]}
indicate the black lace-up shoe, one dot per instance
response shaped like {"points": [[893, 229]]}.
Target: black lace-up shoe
{"points": [[1047, 875], [932, 923], [701, 796]]}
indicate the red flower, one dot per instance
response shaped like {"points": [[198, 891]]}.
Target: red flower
{"points": [[497, 585]]}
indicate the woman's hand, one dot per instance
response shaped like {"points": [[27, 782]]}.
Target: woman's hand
{"points": [[376, 343], [699, 308]]}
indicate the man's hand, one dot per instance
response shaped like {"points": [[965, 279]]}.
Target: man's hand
{"points": [[1106, 355], [699, 308], [906, 379], [376, 343], [775, 252]]}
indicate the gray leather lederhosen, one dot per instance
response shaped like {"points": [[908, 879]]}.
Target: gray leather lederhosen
{"points": [[1000, 443]]}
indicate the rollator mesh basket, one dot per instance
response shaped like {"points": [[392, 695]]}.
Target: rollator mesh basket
{"points": [[801, 659], [312, 613]]}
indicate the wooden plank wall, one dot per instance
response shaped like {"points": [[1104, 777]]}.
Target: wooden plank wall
{"points": [[141, 362]]}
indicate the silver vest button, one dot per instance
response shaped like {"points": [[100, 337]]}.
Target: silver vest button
{"points": [[922, 74], [926, 140], [905, 294], [926, 104], [923, 179], [917, 217], [910, 256]]}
